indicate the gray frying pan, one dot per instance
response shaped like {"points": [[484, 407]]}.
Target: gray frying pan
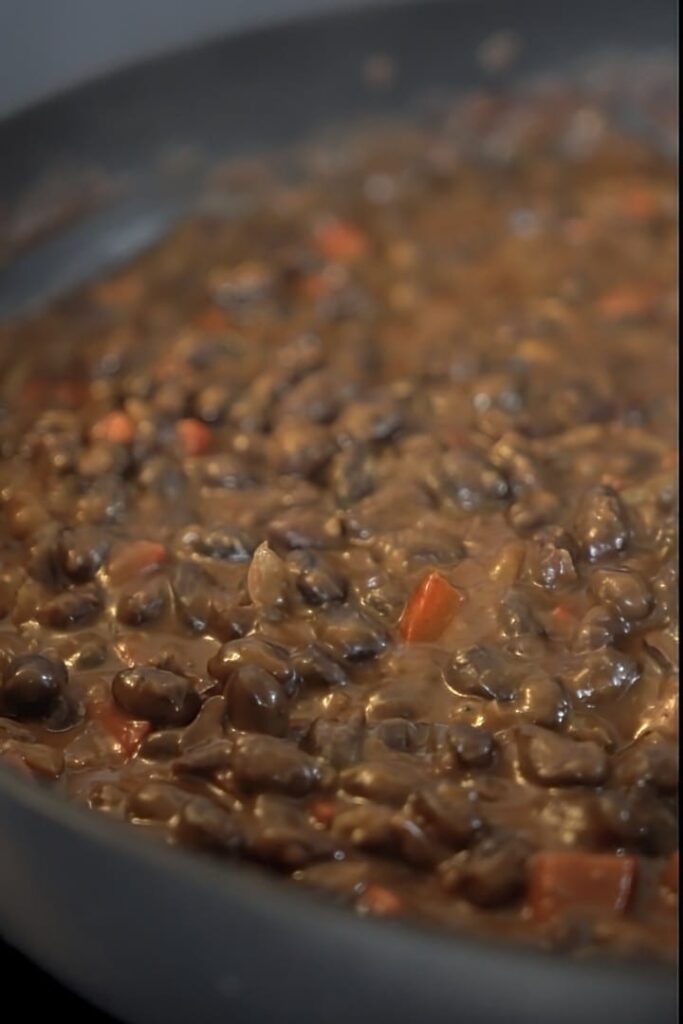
{"points": [[149, 934]]}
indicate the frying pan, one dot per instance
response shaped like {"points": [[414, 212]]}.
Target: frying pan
{"points": [[150, 934]]}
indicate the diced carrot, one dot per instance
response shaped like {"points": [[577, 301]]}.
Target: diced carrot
{"points": [[115, 427], [339, 241], [120, 292], [640, 203], [562, 620], [135, 558], [127, 733], [194, 436], [213, 320], [70, 392], [324, 811], [627, 302], [429, 610], [380, 901], [565, 879], [670, 873]]}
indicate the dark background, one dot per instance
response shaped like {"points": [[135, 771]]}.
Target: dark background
{"points": [[27, 986]]}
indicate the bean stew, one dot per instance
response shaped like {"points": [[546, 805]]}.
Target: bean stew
{"points": [[338, 533]]}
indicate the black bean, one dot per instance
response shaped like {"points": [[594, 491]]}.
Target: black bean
{"points": [[193, 591], [555, 760], [304, 528], [211, 403], [352, 635], [367, 826], [469, 479], [271, 764], [422, 544], [72, 609], [649, 761], [316, 580], [318, 397], [156, 695], [602, 674], [632, 818], [516, 616], [396, 700], [625, 590], [259, 651], [541, 699], [224, 543], [316, 668], [298, 358], [550, 566], [601, 525], [105, 501], [371, 420], [534, 509], [491, 874], [207, 725], [226, 471], [31, 685], [83, 552], [161, 746], [162, 476], [229, 616], [472, 744], [339, 743], [143, 602], [598, 628], [483, 671], [203, 824], [282, 835], [398, 734], [452, 812], [256, 702], [212, 755], [389, 781], [300, 448], [352, 474], [155, 801]]}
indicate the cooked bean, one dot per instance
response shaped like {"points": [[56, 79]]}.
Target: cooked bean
{"points": [[624, 590], [389, 781], [272, 764], [600, 526], [256, 701], [452, 812], [72, 609], [156, 695], [555, 760], [143, 602], [353, 636], [31, 685], [255, 650], [491, 874]]}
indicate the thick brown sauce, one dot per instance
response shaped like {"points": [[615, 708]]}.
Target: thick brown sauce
{"points": [[442, 349]]}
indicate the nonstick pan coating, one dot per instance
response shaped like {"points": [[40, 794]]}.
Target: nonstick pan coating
{"points": [[152, 935]]}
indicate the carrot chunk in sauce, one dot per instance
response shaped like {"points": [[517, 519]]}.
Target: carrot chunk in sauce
{"points": [[562, 880], [430, 609], [136, 558]]}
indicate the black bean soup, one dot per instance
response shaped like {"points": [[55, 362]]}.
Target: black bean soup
{"points": [[339, 534]]}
